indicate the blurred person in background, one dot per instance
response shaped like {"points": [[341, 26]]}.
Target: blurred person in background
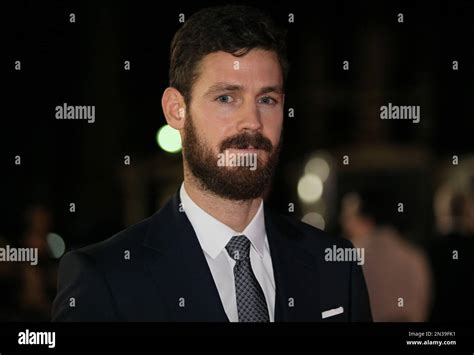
{"points": [[396, 272], [452, 254], [9, 284], [37, 282]]}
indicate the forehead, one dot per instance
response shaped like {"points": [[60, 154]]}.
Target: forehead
{"points": [[258, 68]]}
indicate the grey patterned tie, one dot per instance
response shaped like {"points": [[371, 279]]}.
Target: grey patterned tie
{"points": [[251, 304]]}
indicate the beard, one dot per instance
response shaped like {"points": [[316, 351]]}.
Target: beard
{"points": [[237, 183]]}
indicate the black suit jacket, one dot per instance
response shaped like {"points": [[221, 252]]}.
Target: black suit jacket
{"points": [[149, 271]]}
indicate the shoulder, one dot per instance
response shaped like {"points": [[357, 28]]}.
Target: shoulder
{"points": [[114, 249], [308, 236]]}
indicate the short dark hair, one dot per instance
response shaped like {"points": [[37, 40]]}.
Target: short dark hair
{"points": [[376, 203], [234, 29]]}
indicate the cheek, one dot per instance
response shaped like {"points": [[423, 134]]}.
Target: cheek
{"points": [[211, 125], [272, 126], [205, 113]]}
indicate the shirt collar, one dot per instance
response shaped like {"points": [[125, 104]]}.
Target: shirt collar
{"points": [[214, 235]]}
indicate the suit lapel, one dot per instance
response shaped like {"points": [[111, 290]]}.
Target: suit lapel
{"points": [[295, 272], [176, 262]]}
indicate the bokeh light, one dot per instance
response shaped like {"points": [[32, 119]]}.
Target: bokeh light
{"points": [[169, 139]]}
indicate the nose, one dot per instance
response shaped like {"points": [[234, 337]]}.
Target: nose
{"points": [[249, 118]]}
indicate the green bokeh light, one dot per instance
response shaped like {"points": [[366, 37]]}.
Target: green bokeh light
{"points": [[168, 139]]}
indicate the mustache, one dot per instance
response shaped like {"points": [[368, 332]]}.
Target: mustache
{"points": [[245, 140]]}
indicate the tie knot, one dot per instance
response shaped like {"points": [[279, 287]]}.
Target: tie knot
{"points": [[238, 247]]}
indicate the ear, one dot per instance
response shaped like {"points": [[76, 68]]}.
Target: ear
{"points": [[174, 108]]}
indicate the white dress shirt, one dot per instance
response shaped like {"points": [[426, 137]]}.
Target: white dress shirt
{"points": [[214, 235]]}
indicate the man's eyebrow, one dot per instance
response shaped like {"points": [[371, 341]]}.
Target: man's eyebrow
{"points": [[275, 88], [219, 87]]}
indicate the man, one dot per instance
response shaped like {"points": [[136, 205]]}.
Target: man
{"points": [[215, 252]]}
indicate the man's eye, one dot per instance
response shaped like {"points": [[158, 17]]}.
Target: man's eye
{"points": [[267, 100], [225, 99]]}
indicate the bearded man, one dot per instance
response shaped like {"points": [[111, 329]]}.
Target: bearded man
{"points": [[215, 252]]}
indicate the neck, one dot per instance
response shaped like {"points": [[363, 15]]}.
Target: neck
{"points": [[235, 214]]}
